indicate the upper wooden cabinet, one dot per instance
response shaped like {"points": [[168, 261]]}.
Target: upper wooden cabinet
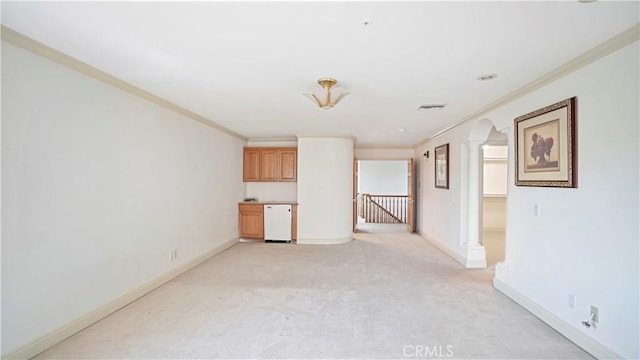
{"points": [[270, 164], [288, 159], [251, 165]]}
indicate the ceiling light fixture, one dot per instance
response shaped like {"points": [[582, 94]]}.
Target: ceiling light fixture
{"points": [[327, 95]]}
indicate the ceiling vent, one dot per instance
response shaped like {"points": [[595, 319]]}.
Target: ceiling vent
{"points": [[431, 106]]}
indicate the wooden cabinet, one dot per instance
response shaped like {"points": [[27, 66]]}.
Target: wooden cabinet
{"points": [[294, 222], [251, 221], [270, 164], [288, 159], [251, 165]]}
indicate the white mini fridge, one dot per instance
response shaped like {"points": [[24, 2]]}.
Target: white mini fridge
{"points": [[277, 222]]}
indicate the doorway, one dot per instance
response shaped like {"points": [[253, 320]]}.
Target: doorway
{"points": [[494, 202], [384, 196]]}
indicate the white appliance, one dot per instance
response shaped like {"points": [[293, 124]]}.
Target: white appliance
{"points": [[277, 222]]}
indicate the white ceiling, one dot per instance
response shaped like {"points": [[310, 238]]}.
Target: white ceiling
{"points": [[244, 65]]}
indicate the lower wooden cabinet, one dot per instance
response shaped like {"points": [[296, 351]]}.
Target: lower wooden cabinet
{"points": [[294, 222], [251, 221]]}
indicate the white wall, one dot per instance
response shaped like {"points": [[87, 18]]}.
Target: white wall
{"points": [[99, 186], [586, 240], [273, 191], [382, 177], [325, 190], [383, 154], [439, 210]]}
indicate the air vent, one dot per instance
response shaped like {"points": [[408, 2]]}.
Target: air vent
{"points": [[431, 106]]}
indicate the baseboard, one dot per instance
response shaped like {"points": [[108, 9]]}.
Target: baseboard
{"points": [[46, 341], [457, 257], [587, 343]]}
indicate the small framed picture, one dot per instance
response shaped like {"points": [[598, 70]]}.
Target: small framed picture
{"points": [[442, 166], [545, 142]]}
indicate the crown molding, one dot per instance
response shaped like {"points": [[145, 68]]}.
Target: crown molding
{"points": [[348, 137], [273, 139], [384, 147], [616, 43], [54, 55]]}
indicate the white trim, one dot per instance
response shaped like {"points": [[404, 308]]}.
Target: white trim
{"points": [[383, 147], [324, 241], [442, 246], [495, 160], [587, 343], [348, 137], [494, 197], [54, 55], [476, 257], [46, 341], [476, 264], [274, 139]]}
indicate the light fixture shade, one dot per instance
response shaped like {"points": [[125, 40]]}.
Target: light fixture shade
{"points": [[327, 97]]}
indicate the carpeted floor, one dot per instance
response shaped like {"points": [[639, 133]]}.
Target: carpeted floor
{"points": [[387, 294]]}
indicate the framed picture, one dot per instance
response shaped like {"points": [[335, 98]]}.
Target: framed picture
{"points": [[545, 142], [442, 166]]}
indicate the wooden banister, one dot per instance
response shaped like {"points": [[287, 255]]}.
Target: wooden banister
{"points": [[384, 208]]}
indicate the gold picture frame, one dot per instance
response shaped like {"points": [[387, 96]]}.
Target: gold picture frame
{"points": [[545, 143], [442, 166]]}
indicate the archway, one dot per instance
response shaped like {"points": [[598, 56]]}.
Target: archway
{"points": [[494, 197], [482, 132]]}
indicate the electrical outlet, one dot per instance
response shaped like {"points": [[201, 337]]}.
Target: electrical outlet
{"points": [[173, 254], [595, 317], [572, 301], [536, 210]]}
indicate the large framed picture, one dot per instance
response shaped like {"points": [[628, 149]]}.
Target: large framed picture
{"points": [[442, 166], [546, 146]]}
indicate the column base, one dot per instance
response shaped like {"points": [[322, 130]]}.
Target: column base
{"points": [[476, 257]]}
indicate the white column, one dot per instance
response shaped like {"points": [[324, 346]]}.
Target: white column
{"points": [[476, 256]]}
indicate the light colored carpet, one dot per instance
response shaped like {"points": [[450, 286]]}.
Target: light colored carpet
{"points": [[381, 296]]}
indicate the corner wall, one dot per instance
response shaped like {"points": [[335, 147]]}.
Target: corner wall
{"points": [[99, 186], [586, 240]]}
